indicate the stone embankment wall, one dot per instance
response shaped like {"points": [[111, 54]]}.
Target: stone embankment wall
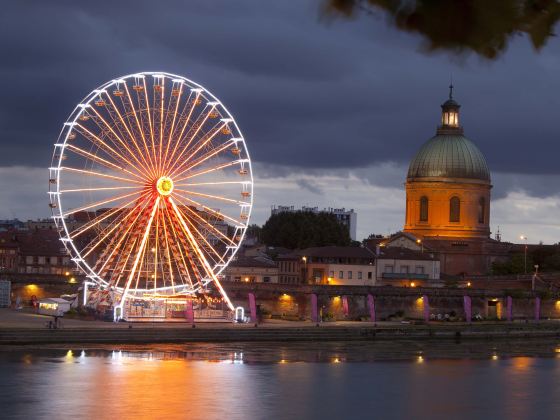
{"points": [[294, 302], [350, 303]]}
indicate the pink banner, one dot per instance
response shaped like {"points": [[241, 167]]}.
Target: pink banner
{"points": [[314, 311], [509, 308], [253, 307], [426, 305], [371, 307], [537, 309], [467, 305], [189, 312], [345, 309]]}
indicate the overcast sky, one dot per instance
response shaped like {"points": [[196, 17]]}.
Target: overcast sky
{"points": [[332, 110]]}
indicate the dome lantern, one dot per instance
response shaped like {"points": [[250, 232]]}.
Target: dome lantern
{"points": [[450, 116]]}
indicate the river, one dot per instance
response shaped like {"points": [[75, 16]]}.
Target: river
{"points": [[382, 380]]}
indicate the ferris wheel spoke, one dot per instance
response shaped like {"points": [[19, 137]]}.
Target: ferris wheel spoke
{"points": [[168, 252], [199, 184], [193, 244], [119, 273], [99, 189], [145, 151], [207, 171], [101, 122], [192, 107], [213, 197], [120, 242], [186, 153], [213, 152], [186, 264], [119, 118], [100, 160], [173, 103], [197, 126], [216, 257], [224, 239], [100, 203], [146, 113], [117, 155], [177, 240], [98, 219], [215, 212], [198, 252], [114, 225], [98, 174], [158, 117], [140, 251]]}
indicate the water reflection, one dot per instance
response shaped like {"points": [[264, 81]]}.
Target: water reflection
{"points": [[277, 380]]}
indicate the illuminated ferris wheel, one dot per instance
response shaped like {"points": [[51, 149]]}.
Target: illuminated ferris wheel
{"points": [[151, 187]]}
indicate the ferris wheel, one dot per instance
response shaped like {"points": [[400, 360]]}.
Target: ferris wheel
{"points": [[151, 187]]}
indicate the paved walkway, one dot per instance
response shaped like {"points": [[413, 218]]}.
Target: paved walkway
{"points": [[26, 318]]}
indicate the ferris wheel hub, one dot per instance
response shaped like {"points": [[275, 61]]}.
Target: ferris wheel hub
{"points": [[164, 185]]}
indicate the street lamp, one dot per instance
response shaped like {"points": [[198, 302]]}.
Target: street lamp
{"points": [[524, 238], [304, 259], [419, 242]]}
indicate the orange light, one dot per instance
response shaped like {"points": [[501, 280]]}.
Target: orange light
{"points": [[468, 284], [164, 185], [412, 284]]}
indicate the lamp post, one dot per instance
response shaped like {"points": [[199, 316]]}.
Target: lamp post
{"points": [[535, 276], [419, 242], [524, 238], [304, 259]]}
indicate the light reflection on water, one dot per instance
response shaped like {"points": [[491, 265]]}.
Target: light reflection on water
{"points": [[408, 380]]}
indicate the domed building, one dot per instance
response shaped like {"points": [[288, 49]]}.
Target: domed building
{"points": [[448, 184], [448, 200]]}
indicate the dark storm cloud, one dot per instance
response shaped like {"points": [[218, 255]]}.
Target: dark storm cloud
{"points": [[307, 94]]}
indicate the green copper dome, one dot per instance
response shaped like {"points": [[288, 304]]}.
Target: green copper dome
{"points": [[449, 155]]}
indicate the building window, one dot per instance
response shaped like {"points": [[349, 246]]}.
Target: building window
{"points": [[404, 269], [454, 209], [481, 210], [388, 269], [341, 274], [424, 209], [331, 274], [349, 275], [419, 269], [266, 279], [359, 275], [369, 275]]}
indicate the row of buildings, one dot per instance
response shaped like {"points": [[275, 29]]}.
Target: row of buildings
{"points": [[387, 263], [37, 251]]}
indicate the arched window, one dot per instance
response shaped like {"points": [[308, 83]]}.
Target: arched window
{"points": [[424, 209], [454, 209], [481, 210]]}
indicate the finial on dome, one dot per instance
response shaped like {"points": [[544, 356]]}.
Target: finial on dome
{"points": [[451, 90]]}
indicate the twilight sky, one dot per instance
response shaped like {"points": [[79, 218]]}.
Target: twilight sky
{"points": [[332, 109]]}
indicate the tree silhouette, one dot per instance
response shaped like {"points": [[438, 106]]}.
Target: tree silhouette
{"points": [[481, 26], [295, 230]]}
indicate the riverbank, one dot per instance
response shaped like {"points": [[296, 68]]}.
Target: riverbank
{"points": [[27, 328], [141, 334]]}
